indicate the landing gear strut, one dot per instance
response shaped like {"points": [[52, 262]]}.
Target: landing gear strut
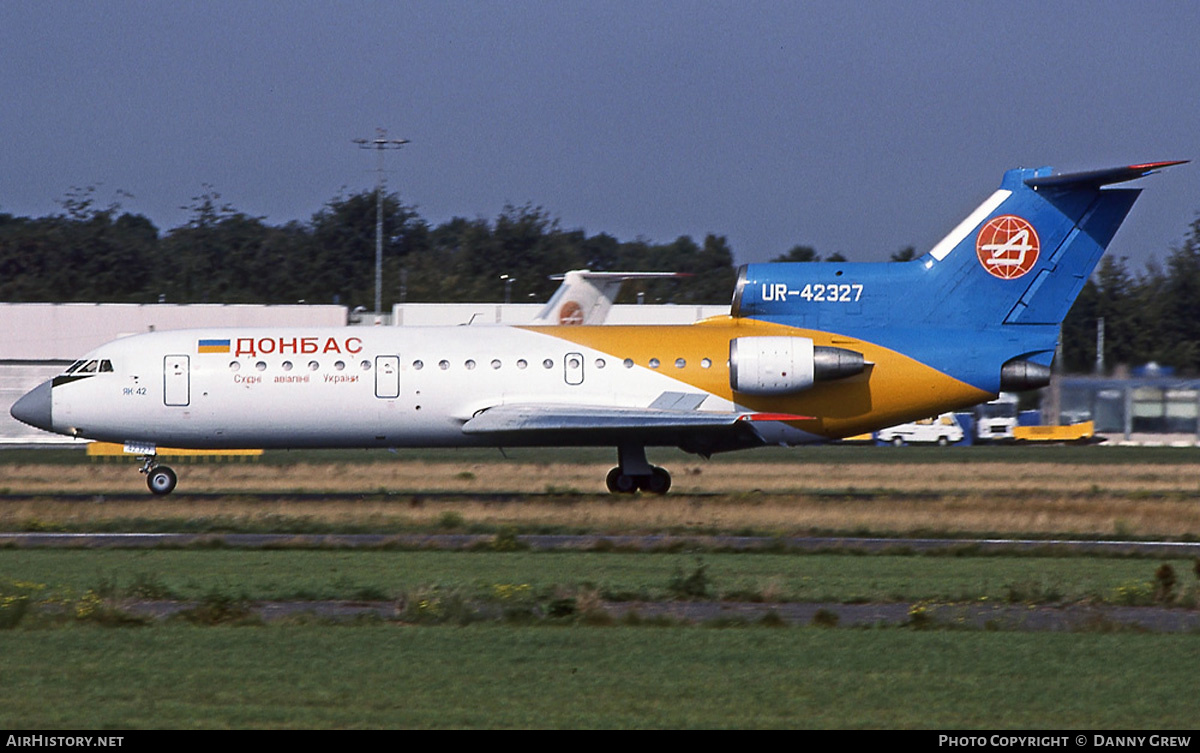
{"points": [[634, 473], [159, 478]]}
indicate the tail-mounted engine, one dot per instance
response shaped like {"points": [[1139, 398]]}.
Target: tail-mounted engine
{"points": [[1016, 376], [771, 366]]}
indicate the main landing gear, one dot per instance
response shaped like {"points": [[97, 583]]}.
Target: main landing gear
{"points": [[159, 478], [634, 473]]}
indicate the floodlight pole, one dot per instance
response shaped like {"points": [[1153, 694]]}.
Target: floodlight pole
{"points": [[380, 144]]}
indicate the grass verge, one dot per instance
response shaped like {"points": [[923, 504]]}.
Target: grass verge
{"points": [[489, 676], [538, 578]]}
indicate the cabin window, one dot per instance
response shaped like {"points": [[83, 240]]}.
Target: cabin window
{"points": [[628, 363], [548, 363], [287, 365], [261, 365], [235, 365], [706, 363], [339, 365], [418, 364], [654, 363], [366, 365], [443, 365], [522, 363], [680, 363], [495, 363], [470, 364], [600, 363], [313, 365]]}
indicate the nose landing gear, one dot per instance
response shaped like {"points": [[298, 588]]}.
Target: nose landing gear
{"points": [[159, 478]]}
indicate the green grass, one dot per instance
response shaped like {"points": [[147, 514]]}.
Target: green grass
{"points": [[614, 677], [304, 673], [353, 574], [300, 673]]}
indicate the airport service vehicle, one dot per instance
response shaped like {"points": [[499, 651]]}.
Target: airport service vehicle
{"points": [[808, 353], [940, 430], [1080, 433], [996, 419]]}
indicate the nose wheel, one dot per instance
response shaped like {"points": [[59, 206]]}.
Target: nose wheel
{"points": [[159, 478]]}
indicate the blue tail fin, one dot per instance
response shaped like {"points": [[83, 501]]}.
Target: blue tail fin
{"points": [[1021, 258], [985, 301]]}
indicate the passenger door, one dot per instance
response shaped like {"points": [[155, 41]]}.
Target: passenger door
{"points": [[387, 377], [176, 381]]}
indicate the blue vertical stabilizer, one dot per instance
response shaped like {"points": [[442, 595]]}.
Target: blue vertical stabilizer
{"points": [[996, 288]]}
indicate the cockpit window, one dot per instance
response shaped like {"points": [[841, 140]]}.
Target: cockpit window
{"points": [[93, 366]]}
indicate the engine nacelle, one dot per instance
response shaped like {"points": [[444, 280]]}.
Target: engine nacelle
{"points": [[784, 365], [1016, 376]]}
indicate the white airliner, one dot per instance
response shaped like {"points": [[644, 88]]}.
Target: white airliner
{"points": [[809, 352]]}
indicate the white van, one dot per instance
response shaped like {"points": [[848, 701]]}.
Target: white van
{"points": [[942, 430], [995, 420]]}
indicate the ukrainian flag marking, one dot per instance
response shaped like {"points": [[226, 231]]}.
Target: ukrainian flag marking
{"points": [[213, 346]]}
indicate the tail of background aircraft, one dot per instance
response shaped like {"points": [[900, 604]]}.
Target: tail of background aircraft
{"points": [[585, 297]]}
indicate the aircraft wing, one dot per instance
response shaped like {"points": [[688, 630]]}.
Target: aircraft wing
{"points": [[604, 425], [532, 418]]}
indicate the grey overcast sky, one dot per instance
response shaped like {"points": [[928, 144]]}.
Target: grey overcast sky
{"points": [[853, 127]]}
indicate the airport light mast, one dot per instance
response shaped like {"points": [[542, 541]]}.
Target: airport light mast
{"points": [[381, 143]]}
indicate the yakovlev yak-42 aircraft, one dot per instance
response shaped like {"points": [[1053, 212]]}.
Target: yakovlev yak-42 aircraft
{"points": [[809, 352]]}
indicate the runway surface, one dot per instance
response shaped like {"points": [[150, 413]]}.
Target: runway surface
{"points": [[585, 542]]}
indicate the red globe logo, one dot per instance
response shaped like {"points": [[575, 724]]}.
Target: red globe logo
{"points": [[570, 313], [1007, 247]]}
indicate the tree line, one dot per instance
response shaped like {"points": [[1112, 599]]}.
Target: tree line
{"points": [[1151, 316], [89, 252]]}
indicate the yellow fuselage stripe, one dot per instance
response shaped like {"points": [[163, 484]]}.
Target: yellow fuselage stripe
{"points": [[893, 389]]}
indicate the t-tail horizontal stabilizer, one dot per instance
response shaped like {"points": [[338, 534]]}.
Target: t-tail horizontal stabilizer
{"points": [[1098, 178]]}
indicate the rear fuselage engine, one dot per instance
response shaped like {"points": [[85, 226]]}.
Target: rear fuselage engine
{"points": [[773, 365]]}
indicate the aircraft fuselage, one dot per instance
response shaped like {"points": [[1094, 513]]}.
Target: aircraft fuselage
{"points": [[419, 386]]}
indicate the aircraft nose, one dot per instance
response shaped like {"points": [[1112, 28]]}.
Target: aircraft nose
{"points": [[34, 407]]}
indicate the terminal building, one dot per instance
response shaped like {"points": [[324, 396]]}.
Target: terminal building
{"points": [[1143, 409]]}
